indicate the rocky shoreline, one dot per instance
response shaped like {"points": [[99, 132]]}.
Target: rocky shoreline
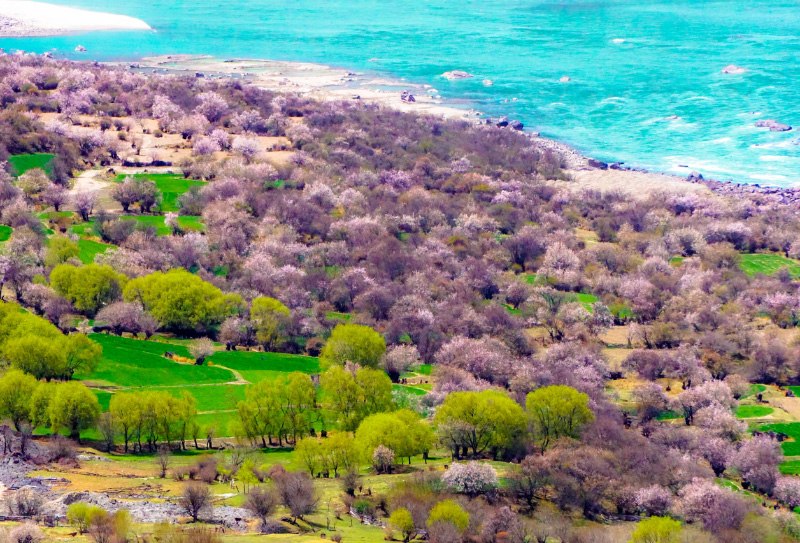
{"points": [[329, 83]]}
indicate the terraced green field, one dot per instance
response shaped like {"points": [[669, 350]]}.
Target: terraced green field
{"points": [[23, 163], [136, 363], [791, 429], [767, 264], [90, 248], [210, 397], [186, 223], [751, 411], [255, 367], [171, 187]]}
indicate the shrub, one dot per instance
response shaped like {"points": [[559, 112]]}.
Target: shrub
{"points": [[195, 498], [25, 533], [657, 529], [81, 515], [449, 512]]}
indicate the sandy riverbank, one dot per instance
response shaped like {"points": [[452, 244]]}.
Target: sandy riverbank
{"points": [[313, 80], [24, 18]]}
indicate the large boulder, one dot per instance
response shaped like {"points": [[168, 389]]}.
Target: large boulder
{"points": [[457, 74], [733, 69], [773, 125]]}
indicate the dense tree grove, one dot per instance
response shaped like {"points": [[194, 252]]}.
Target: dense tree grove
{"points": [[598, 343]]}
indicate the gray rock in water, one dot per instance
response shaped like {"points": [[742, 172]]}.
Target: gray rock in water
{"points": [[516, 125], [565, 79], [502, 122], [773, 125], [457, 74], [733, 69], [80, 49]]}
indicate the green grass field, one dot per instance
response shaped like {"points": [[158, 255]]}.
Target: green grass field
{"points": [[171, 187], [767, 264], [791, 429], [256, 367], [135, 363], [89, 248], [791, 448], [210, 397], [186, 223], [416, 391], [23, 163], [103, 397], [5, 232], [750, 411], [790, 467]]}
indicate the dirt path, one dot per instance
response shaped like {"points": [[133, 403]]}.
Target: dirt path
{"points": [[87, 182]]}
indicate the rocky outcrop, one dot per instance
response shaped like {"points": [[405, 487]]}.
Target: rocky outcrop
{"points": [[149, 511], [488, 82], [773, 125], [565, 79], [457, 74]]}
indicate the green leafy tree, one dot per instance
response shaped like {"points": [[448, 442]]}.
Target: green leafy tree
{"points": [[449, 511], [259, 411], [557, 411], [479, 421], [403, 521], [82, 515], [89, 288], [33, 345], [73, 407], [60, 249], [355, 396], [353, 343], [339, 452], [42, 357], [186, 414], [40, 404], [181, 301], [270, 319], [309, 452], [81, 355], [402, 431], [298, 403], [16, 390], [126, 410], [657, 530]]}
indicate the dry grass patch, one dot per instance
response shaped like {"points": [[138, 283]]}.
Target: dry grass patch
{"points": [[615, 357], [616, 335]]}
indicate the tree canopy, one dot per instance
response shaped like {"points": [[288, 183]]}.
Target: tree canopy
{"points": [[182, 301], [89, 288], [478, 421], [557, 411], [353, 343]]}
